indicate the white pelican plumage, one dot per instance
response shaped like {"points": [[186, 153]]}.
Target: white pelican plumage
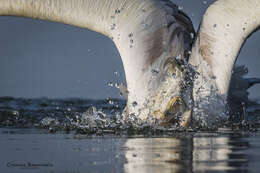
{"points": [[154, 39], [224, 28]]}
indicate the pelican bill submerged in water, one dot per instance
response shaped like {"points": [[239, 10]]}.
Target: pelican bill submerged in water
{"points": [[170, 74]]}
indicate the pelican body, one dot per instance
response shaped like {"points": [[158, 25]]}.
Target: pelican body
{"points": [[158, 48]]}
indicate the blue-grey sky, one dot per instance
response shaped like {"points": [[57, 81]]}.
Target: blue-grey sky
{"points": [[41, 58]]}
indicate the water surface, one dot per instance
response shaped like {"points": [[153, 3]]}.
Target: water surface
{"points": [[197, 152]]}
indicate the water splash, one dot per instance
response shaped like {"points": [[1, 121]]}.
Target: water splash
{"points": [[101, 117]]}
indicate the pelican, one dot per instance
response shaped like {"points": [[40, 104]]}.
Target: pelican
{"points": [[158, 49]]}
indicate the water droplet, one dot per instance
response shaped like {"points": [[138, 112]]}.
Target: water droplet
{"points": [[178, 57], [134, 104], [134, 155], [180, 7], [110, 102], [146, 25], [192, 35], [113, 26], [110, 84], [15, 112], [117, 11], [213, 77], [116, 73], [117, 85], [155, 72], [130, 35], [215, 25]]}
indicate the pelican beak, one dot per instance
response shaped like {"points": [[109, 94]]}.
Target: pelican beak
{"points": [[176, 112]]}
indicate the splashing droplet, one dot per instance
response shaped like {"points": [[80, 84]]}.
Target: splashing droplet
{"points": [[117, 11], [192, 35], [180, 7], [110, 84], [130, 35], [113, 26], [116, 73], [134, 104], [155, 72]]}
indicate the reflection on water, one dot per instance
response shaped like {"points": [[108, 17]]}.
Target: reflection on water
{"points": [[159, 155], [199, 152], [228, 153]]}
